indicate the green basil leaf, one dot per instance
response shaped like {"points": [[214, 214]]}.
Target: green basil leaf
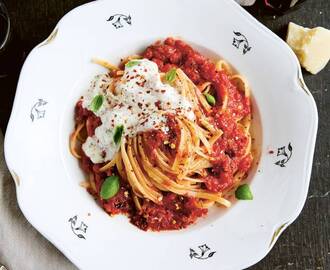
{"points": [[110, 187], [210, 99], [96, 103], [118, 134], [243, 192], [170, 75], [131, 63]]}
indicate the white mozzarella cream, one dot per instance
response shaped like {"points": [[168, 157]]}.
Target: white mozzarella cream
{"points": [[137, 102]]}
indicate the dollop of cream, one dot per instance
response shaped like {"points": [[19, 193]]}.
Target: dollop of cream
{"points": [[137, 101]]}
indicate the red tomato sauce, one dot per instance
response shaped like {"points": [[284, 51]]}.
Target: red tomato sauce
{"points": [[175, 211], [174, 53]]}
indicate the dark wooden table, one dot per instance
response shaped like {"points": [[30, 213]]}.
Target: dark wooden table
{"points": [[305, 244]]}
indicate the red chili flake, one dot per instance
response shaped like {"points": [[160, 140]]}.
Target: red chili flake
{"points": [[134, 70], [163, 91], [141, 84], [157, 104], [271, 152], [145, 70]]}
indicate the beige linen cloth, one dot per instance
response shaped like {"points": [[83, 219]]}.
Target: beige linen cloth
{"points": [[21, 246]]}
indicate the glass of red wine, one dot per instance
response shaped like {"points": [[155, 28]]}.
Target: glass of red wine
{"points": [[4, 26], [281, 6]]}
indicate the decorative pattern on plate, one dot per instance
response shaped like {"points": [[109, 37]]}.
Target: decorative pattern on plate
{"points": [[51, 37], [238, 40], [37, 110], [203, 254], [78, 230], [282, 152], [276, 233], [119, 19]]}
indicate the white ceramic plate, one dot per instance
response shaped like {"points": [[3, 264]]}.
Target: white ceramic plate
{"points": [[47, 177]]}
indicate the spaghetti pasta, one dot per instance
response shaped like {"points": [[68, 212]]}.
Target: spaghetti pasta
{"points": [[188, 158]]}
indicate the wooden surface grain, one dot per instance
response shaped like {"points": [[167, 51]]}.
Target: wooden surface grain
{"points": [[306, 243]]}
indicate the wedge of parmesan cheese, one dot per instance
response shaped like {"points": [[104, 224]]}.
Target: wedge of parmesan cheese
{"points": [[312, 46]]}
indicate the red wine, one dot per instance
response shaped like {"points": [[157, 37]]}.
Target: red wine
{"points": [[4, 26], [281, 6]]}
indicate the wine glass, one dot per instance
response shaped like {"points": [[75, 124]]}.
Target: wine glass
{"points": [[4, 26], [281, 6]]}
